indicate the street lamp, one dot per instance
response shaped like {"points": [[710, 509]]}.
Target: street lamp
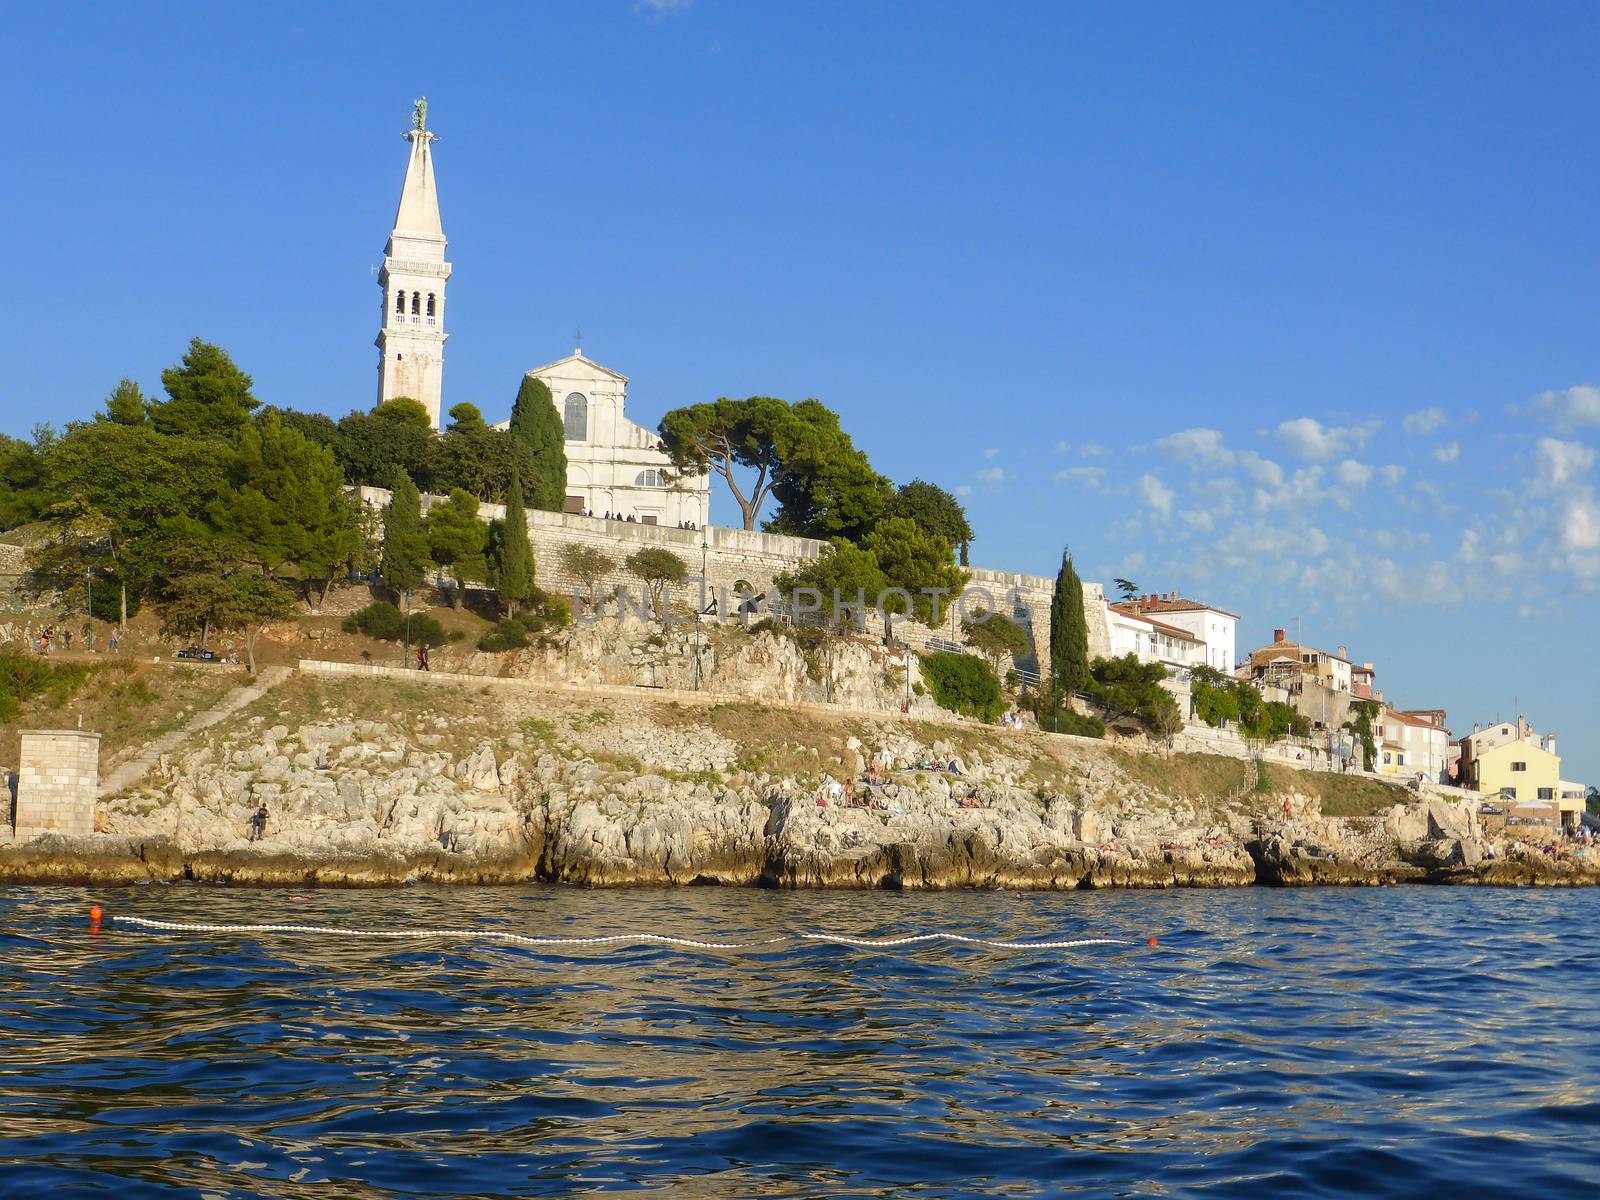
{"points": [[405, 646], [88, 612], [704, 549]]}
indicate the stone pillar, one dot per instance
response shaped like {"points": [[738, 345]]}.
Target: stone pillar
{"points": [[58, 782]]}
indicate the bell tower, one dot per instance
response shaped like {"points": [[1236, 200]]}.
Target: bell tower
{"points": [[411, 338]]}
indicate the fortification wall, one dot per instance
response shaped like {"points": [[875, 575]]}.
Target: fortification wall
{"points": [[738, 559], [58, 780]]}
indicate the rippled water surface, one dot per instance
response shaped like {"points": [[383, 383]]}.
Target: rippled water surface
{"points": [[1401, 1042]]}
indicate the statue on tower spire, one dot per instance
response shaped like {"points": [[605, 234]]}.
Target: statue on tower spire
{"points": [[419, 114]]}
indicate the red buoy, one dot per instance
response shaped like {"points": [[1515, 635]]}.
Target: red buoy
{"points": [[1152, 942], [95, 913]]}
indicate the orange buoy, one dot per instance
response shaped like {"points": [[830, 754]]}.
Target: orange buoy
{"points": [[1152, 942], [95, 913]]}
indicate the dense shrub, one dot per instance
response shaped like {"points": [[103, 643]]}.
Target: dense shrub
{"points": [[1057, 716], [1219, 699], [963, 683], [24, 676], [387, 623], [510, 634], [379, 619]]}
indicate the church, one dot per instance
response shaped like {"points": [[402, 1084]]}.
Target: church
{"points": [[614, 467]]}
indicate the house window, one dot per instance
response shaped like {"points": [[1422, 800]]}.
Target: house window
{"points": [[1519, 766], [650, 477], [575, 417], [1387, 759], [1400, 760], [1547, 793]]}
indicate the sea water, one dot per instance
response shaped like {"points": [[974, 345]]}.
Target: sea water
{"points": [[1375, 1042]]}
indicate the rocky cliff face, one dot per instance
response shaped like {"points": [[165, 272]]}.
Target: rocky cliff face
{"points": [[376, 782]]}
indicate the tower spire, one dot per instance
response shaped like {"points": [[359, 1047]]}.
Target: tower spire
{"points": [[411, 340]]}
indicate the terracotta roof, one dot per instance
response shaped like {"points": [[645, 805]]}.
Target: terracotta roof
{"points": [[1178, 604], [1408, 719]]}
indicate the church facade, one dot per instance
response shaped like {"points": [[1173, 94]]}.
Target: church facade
{"points": [[615, 467]]}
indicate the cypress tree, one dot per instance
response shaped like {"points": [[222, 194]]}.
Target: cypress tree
{"points": [[536, 424], [1069, 631], [514, 571], [404, 563]]}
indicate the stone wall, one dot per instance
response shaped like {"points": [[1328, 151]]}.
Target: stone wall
{"points": [[58, 781], [735, 558]]}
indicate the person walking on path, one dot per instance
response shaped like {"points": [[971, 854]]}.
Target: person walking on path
{"points": [[422, 657], [115, 637]]}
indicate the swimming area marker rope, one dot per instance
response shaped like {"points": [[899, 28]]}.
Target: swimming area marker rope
{"points": [[521, 939]]}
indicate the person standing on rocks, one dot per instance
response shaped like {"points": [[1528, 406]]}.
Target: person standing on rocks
{"points": [[258, 823]]}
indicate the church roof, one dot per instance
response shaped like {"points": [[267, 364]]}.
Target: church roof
{"points": [[577, 357], [419, 198]]}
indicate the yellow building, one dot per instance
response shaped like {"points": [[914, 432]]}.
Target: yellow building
{"points": [[1512, 762]]}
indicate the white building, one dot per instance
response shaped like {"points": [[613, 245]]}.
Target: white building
{"points": [[1413, 744], [1150, 640], [411, 338], [614, 467], [1213, 626]]}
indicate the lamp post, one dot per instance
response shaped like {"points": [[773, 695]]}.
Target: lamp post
{"points": [[88, 612], [704, 549], [405, 646]]}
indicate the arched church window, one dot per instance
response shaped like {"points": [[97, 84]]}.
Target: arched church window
{"points": [[416, 304], [430, 304], [650, 477], [400, 303], [575, 417]]}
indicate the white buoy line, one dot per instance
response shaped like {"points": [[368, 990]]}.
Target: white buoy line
{"points": [[662, 939]]}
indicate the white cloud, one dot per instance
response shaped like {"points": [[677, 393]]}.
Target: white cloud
{"points": [[964, 490], [1063, 447], [1261, 470], [1313, 440], [1156, 494], [1088, 476], [1429, 420], [1198, 447], [1091, 449], [1447, 453], [992, 475], [1353, 474], [1570, 408], [660, 8], [1392, 473], [1559, 463], [991, 452], [1580, 524]]}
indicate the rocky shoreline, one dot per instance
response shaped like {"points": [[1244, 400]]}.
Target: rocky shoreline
{"points": [[373, 784]]}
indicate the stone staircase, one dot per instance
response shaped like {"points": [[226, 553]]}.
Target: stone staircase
{"points": [[135, 769]]}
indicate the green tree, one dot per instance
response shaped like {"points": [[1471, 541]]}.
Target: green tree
{"points": [[318, 428], [659, 569], [727, 436], [371, 445], [139, 482], [917, 561], [24, 493], [1069, 631], [466, 418], [286, 505], [1126, 587], [127, 404], [403, 410], [479, 461], [514, 568], [843, 572], [207, 395], [995, 635], [404, 564], [536, 425], [1126, 685], [248, 603], [827, 488], [962, 683], [588, 565], [458, 540], [935, 511]]}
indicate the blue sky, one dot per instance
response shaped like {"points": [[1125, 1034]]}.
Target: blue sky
{"points": [[1290, 308]]}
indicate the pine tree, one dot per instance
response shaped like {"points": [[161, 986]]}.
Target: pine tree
{"points": [[536, 424], [126, 405], [1069, 631], [404, 564], [514, 570]]}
